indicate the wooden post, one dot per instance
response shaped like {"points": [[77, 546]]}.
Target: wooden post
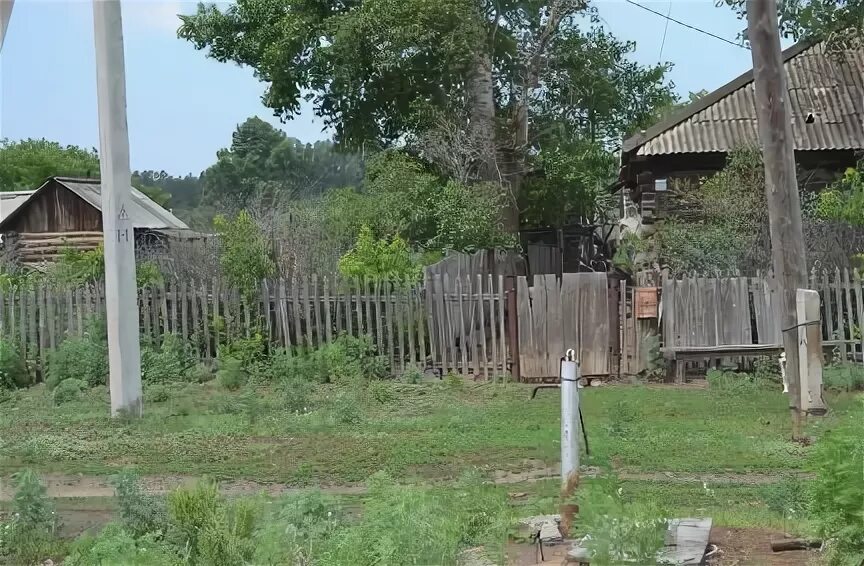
{"points": [[781, 187], [124, 353], [513, 328], [809, 337]]}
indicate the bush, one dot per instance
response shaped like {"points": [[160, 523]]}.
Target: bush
{"points": [[114, 546], [243, 253], [381, 391], [13, 367], [84, 359], [170, 362], [231, 375], [140, 513], [837, 501], [68, 390], [346, 408], [31, 534], [201, 373], [156, 393], [346, 359], [213, 531], [412, 375]]}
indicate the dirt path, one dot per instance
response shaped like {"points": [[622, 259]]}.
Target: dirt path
{"points": [[83, 486]]}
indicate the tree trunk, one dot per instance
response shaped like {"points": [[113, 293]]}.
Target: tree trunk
{"points": [[481, 90]]}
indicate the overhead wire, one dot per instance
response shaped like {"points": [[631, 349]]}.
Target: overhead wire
{"points": [[686, 25], [665, 30]]}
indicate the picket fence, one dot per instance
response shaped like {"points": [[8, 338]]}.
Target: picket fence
{"points": [[442, 325]]}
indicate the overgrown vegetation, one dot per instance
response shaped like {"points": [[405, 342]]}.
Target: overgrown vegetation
{"points": [[243, 253]]}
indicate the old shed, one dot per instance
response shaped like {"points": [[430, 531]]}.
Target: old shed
{"points": [[67, 213], [826, 95]]}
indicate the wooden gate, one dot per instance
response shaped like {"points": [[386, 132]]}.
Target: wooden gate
{"points": [[555, 315]]}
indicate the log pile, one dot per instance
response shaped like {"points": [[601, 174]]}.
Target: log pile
{"points": [[34, 249]]}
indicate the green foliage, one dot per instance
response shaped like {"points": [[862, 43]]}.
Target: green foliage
{"points": [[213, 530], [839, 22], [404, 525], [68, 390], [843, 377], [156, 393], [140, 513], [838, 490], [30, 534], [710, 239], [84, 359], [169, 362], [620, 532], [243, 253], [27, 163], [468, 218], [347, 359], [412, 375], [346, 408], [76, 267], [624, 419], [298, 530], [115, 546], [378, 259], [147, 274], [844, 200], [13, 366], [382, 392], [231, 375], [790, 497], [735, 384], [629, 247]]}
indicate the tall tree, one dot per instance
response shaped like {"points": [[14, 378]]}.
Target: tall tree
{"points": [[26, 163], [840, 22], [374, 68]]}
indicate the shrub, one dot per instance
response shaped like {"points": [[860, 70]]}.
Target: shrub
{"points": [[13, 367], [156, 393], [84, 359], [170, 362], [115, 546], [412, 375], [837, 502], [201, 373], [379, 259], [231, 375], [140, 513], [213, 531], [346, 359], [381, 391], [68, 390], [346, 408], [243, 253], [31, 534]]}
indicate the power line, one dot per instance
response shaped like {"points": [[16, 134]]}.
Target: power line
{"points": [[665, 29], [680, 23]]}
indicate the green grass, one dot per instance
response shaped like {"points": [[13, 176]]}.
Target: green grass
{"points": [[427, 431]]}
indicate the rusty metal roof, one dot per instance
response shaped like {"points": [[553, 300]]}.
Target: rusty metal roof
{"points": [[825, 86], [143, 212], [11, 200]]}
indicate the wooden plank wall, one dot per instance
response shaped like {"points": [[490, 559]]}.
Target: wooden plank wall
{"points": [[714, 311], [557, 315]]}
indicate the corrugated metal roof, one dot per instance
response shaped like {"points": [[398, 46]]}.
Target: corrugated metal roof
{"points": [[827, 85], [10, 201], [143, 212]]}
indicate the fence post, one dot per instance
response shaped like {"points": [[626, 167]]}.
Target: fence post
{"points": [[810, 353], [513, 327]]}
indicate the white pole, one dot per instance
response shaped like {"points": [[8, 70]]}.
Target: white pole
{"points": [[569, 437], [569, 419], [810, 352], [124, 351], [5, 15]]}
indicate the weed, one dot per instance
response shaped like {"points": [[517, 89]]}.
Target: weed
{"points": [[346, 408], [68, 390], [139, 512], [734, 384], [13, 367], [201, 373], [31, 534], [79, 358], [115, 546], [231, 375], [170, 362], [789, 497], [412, 375], [382, 392], [156, 393], [843, 377], [454, 381], [767, 369], [624, 419]]}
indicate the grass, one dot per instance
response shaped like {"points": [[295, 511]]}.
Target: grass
{"points": [[427, 431]]}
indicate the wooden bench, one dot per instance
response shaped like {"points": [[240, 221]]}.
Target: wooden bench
{"points": [[680, 355]]}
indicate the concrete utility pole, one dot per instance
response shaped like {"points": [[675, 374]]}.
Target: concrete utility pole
{"points": [[781, 184], [5, 15], [569, 436], [124, 351]]}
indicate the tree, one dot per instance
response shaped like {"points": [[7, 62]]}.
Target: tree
{"points": [[27, 163], [840, 22], [373, 69], [263, 163]]}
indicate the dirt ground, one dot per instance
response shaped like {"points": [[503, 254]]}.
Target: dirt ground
{"points": [[743, 547]]}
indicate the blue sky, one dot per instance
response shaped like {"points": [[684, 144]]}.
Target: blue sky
{"points": [[182, 107]]}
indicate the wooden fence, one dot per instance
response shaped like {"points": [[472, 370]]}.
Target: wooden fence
{"points": [[461, 330], [719, 311]]}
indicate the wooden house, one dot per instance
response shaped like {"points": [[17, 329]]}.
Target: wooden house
{"points": [[67, 213], [826, 95]]}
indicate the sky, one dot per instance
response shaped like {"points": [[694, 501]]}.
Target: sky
{"points": [[182, 107]]}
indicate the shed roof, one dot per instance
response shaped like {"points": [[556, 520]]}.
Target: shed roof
{"points": [[828, 85], [143, 211], [10, 201]]}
